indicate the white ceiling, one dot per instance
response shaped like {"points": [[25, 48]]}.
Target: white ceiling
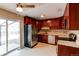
{"points": [[50, 10]]}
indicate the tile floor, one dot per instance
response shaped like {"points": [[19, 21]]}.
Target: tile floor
{"points": [[41, 49]]}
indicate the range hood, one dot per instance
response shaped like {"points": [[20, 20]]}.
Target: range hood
{"points": [[45, 28]]}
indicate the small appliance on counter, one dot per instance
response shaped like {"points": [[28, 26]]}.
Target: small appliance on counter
{"points": [[72, 37]]}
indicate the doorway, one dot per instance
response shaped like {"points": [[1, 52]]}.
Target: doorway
{"points": [[9, 35]]}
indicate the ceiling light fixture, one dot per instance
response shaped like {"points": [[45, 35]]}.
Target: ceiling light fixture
{"points": [[19, 8], [42, 16]]}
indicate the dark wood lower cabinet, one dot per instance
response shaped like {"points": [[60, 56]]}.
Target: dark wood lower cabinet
{"points": [[56, 39], [47, 39], [62, 50], [43, 38], [39, 38], [74, 51], [67, 51]]}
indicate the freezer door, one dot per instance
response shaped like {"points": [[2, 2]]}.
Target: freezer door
{"points": [[26, 35]]}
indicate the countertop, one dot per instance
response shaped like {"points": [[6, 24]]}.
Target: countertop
{"points": [[64, 34], [68, 43]]}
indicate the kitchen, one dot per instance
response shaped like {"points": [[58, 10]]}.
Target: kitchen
{"points": [[56, 31], [46, 29]]}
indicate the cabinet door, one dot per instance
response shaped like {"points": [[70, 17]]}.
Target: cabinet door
{"points": [[40, 25], [77, 15], [27, 20], [39, 38], [73, 16], [63, 50], [74, 51], [45, 38]]}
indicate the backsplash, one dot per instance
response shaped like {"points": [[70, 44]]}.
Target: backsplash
{"points": [[63, 33], [66, 32], [74, 31]]}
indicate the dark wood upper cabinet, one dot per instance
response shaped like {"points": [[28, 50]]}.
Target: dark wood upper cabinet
{"points": [[27, 20], [54, 23], [71, 16], [33, 22]]}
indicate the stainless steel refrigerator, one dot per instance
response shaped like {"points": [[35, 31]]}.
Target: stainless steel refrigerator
{"points": [[30, 36]]}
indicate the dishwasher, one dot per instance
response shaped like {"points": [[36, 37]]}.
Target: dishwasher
{"points": [[51, 39]]}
